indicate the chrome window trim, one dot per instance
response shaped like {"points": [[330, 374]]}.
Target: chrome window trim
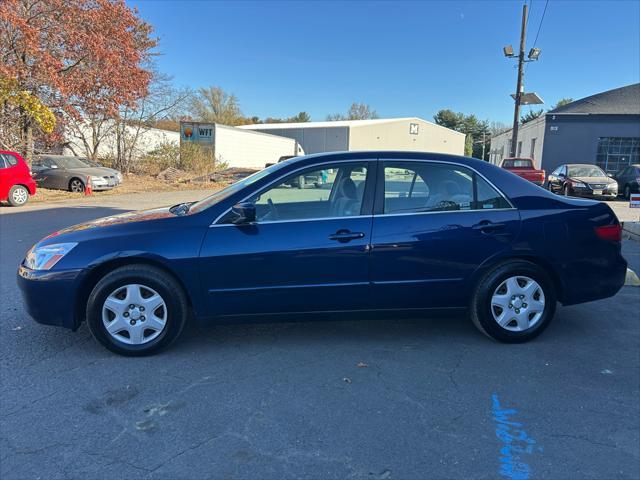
{"points": [[351, 160], [318, 219]]}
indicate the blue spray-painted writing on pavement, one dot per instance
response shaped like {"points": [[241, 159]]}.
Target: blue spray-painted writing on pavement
{"points": [[516, 444]]}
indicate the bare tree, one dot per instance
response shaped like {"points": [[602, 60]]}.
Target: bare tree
{"points": [[357, 111], [214, 105]]}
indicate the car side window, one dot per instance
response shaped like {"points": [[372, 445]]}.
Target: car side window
{"points": [[10, 160], [331, 191], [414, 187], [426, 187], [2, 162]]}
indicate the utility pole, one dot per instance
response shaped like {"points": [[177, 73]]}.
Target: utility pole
{"points": [[520, 86]]}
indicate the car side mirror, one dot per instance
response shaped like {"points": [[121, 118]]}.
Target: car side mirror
{"points": [[245, 213]]}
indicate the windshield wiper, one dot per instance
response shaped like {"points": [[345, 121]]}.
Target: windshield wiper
{"points": [[181, 208]]}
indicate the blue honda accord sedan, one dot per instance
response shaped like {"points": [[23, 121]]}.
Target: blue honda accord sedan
{"points": [[365, 232]]}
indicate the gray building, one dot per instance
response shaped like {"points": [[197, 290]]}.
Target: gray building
{"points": [[603, 129], [412, 134]]}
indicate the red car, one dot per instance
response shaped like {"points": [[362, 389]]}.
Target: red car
{"points": [[523, 167], [16, 183]]}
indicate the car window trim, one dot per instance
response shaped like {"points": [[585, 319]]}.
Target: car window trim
{"points": [[368, 161], [379, 207]]}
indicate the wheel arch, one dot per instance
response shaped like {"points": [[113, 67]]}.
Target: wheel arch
{"points": [[531, 258], [99, 271]]}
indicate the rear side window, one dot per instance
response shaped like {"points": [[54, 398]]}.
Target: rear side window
{"points": [[10, 160], [2, 162], [415, 187]]}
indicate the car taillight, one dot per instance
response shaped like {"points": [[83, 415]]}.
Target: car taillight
{"points": [[612, 233]]}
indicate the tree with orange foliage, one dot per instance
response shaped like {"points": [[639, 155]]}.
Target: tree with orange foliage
{"points": [[76, 57]]}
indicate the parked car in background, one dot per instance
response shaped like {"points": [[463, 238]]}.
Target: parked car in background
{"points": [[389, 231], [16, 184], [582, 180], [93, 163], [72, 173], [524, 167], [628, 180]]}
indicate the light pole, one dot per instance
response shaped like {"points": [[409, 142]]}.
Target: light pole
{"points": [[519, 95]]}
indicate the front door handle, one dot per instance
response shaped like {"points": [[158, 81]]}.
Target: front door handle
{"points": [[488, 227], [344, 236]]}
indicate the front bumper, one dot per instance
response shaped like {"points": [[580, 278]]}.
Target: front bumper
{"points": [[50, 296], [576, 192]]}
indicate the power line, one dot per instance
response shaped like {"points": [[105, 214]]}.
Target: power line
{"points": [[530, 11], [540, 26]]}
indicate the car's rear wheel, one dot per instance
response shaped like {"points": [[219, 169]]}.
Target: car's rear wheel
{"points": [[18, 196], [76, 185], [627, 192], [136, 310], [514, 302]]}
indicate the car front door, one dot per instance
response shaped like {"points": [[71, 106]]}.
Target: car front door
{"points": [[308, 249], [434, 224]]}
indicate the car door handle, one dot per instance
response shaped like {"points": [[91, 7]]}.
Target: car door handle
{"points": [[488, 227], [344, 236]]}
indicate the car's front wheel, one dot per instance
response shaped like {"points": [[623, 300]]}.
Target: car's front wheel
{"points": [[76, 185], [627, 192], [136, 310], [514, 302], [18, 196]]}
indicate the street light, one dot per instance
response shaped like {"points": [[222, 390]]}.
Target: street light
{"points": [[534, 53], [508, 51]]}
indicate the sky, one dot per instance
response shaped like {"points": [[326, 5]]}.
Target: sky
{"points": [[404, 59]]}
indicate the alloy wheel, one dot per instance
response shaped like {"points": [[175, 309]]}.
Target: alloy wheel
{"points": [[134, 314], [518, 303], [20, 196], [77, 186]]}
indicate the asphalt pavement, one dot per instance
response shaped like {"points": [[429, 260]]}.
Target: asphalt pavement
{"points": [[370, 399]]}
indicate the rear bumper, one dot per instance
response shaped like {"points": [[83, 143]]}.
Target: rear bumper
{"points": [[593, 280], [50, 296]]}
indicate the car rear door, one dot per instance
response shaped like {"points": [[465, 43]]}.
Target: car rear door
{"points": [[434, 224], [307, 251]]}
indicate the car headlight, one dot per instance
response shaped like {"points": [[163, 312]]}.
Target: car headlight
{"points": [[576, 184], [46, 256], [97, 180]]}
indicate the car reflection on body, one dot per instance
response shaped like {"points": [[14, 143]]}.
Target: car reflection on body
{"points": [[387, 232]]}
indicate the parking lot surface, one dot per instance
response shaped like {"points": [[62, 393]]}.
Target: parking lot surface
{"points": [[370, 399]]}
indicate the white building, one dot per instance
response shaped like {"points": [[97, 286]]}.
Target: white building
{"points": [[530, 143], [141, 139], [411, 134]]}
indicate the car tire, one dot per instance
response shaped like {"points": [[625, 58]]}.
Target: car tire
{"points": [[565, 191], [493, 288], [127, 331], [627, 192], [76, 185], [18, 196]]}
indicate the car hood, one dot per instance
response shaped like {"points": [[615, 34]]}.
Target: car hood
{"points": [[120, 219], [594, 179]]}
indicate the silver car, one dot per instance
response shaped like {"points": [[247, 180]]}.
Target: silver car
{"points": [[72, 173]]}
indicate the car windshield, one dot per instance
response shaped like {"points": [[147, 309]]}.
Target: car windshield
{"points": [[585, 171], [70, 162], [233, 188], [518, 163]]}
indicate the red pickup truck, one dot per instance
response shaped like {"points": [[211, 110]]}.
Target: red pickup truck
{"points": [[523, 167]]}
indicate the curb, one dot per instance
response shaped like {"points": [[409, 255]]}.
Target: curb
{"points": [[631, 231]]}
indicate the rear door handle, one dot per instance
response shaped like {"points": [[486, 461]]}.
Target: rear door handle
{"points": [[488, 227], [344, 236]]}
